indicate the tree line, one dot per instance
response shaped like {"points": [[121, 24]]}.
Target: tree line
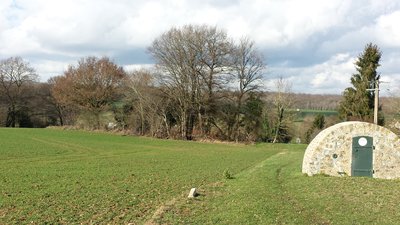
{"points": [[204, 85]]}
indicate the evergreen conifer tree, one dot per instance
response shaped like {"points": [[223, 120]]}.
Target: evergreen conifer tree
{"points": [[358, 101]]}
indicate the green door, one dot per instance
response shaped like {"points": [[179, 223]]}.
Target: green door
{"points": [[361, 165]]}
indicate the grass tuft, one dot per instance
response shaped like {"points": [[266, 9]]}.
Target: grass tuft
{"points": [[227, 174]]}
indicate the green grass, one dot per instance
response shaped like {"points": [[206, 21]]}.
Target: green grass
{"points": [[276, 192], [70, 177], [317, 111], [303, 113], [52, 176]]}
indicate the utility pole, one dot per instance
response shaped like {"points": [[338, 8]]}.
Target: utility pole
{"points": [[376, 102]]}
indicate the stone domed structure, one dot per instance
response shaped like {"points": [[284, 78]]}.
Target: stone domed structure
{"points": [[354, 149]]}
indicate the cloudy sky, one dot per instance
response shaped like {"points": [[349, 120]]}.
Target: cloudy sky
{"points": [[312, 43]]}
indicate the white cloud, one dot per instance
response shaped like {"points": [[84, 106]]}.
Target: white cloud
{"points": [[388, 29], [133, 67], [49, 68], [390, 62], [330, 77], [313, 42]]}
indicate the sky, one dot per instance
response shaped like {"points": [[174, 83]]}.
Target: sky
{"points": [[313, 44]]}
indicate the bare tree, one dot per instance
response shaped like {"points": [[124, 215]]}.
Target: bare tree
{"points": [[15, 75], [137, 83], [215, 49], [64, 112], [197, 66], [177, 62], [189, 60], [247, 66], [282, 101], [147, 103], [91, 86]]}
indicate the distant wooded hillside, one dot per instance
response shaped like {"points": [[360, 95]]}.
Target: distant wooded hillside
{"points": [[310, 101], [390, 105]]}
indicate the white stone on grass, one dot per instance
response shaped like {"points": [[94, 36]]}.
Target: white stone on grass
{"points": [[192, 193]]}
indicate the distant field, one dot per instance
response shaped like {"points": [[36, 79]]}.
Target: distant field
{"points": [[302, 113], [305, 112], [71, 177]]}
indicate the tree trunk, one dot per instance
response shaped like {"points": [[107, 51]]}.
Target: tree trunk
{"points": [[190, 124], [60, 115], [183, 124], [200, 119], [11, 117], [141, 119], [61, 120], [237, 118], [97, 116], [278, 124], [166, 125]]}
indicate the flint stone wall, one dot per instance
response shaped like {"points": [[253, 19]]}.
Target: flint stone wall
{"points": [[337, 139]]}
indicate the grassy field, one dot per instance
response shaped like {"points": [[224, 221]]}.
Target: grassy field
{"points": [[301, 114], [70, 177]]}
